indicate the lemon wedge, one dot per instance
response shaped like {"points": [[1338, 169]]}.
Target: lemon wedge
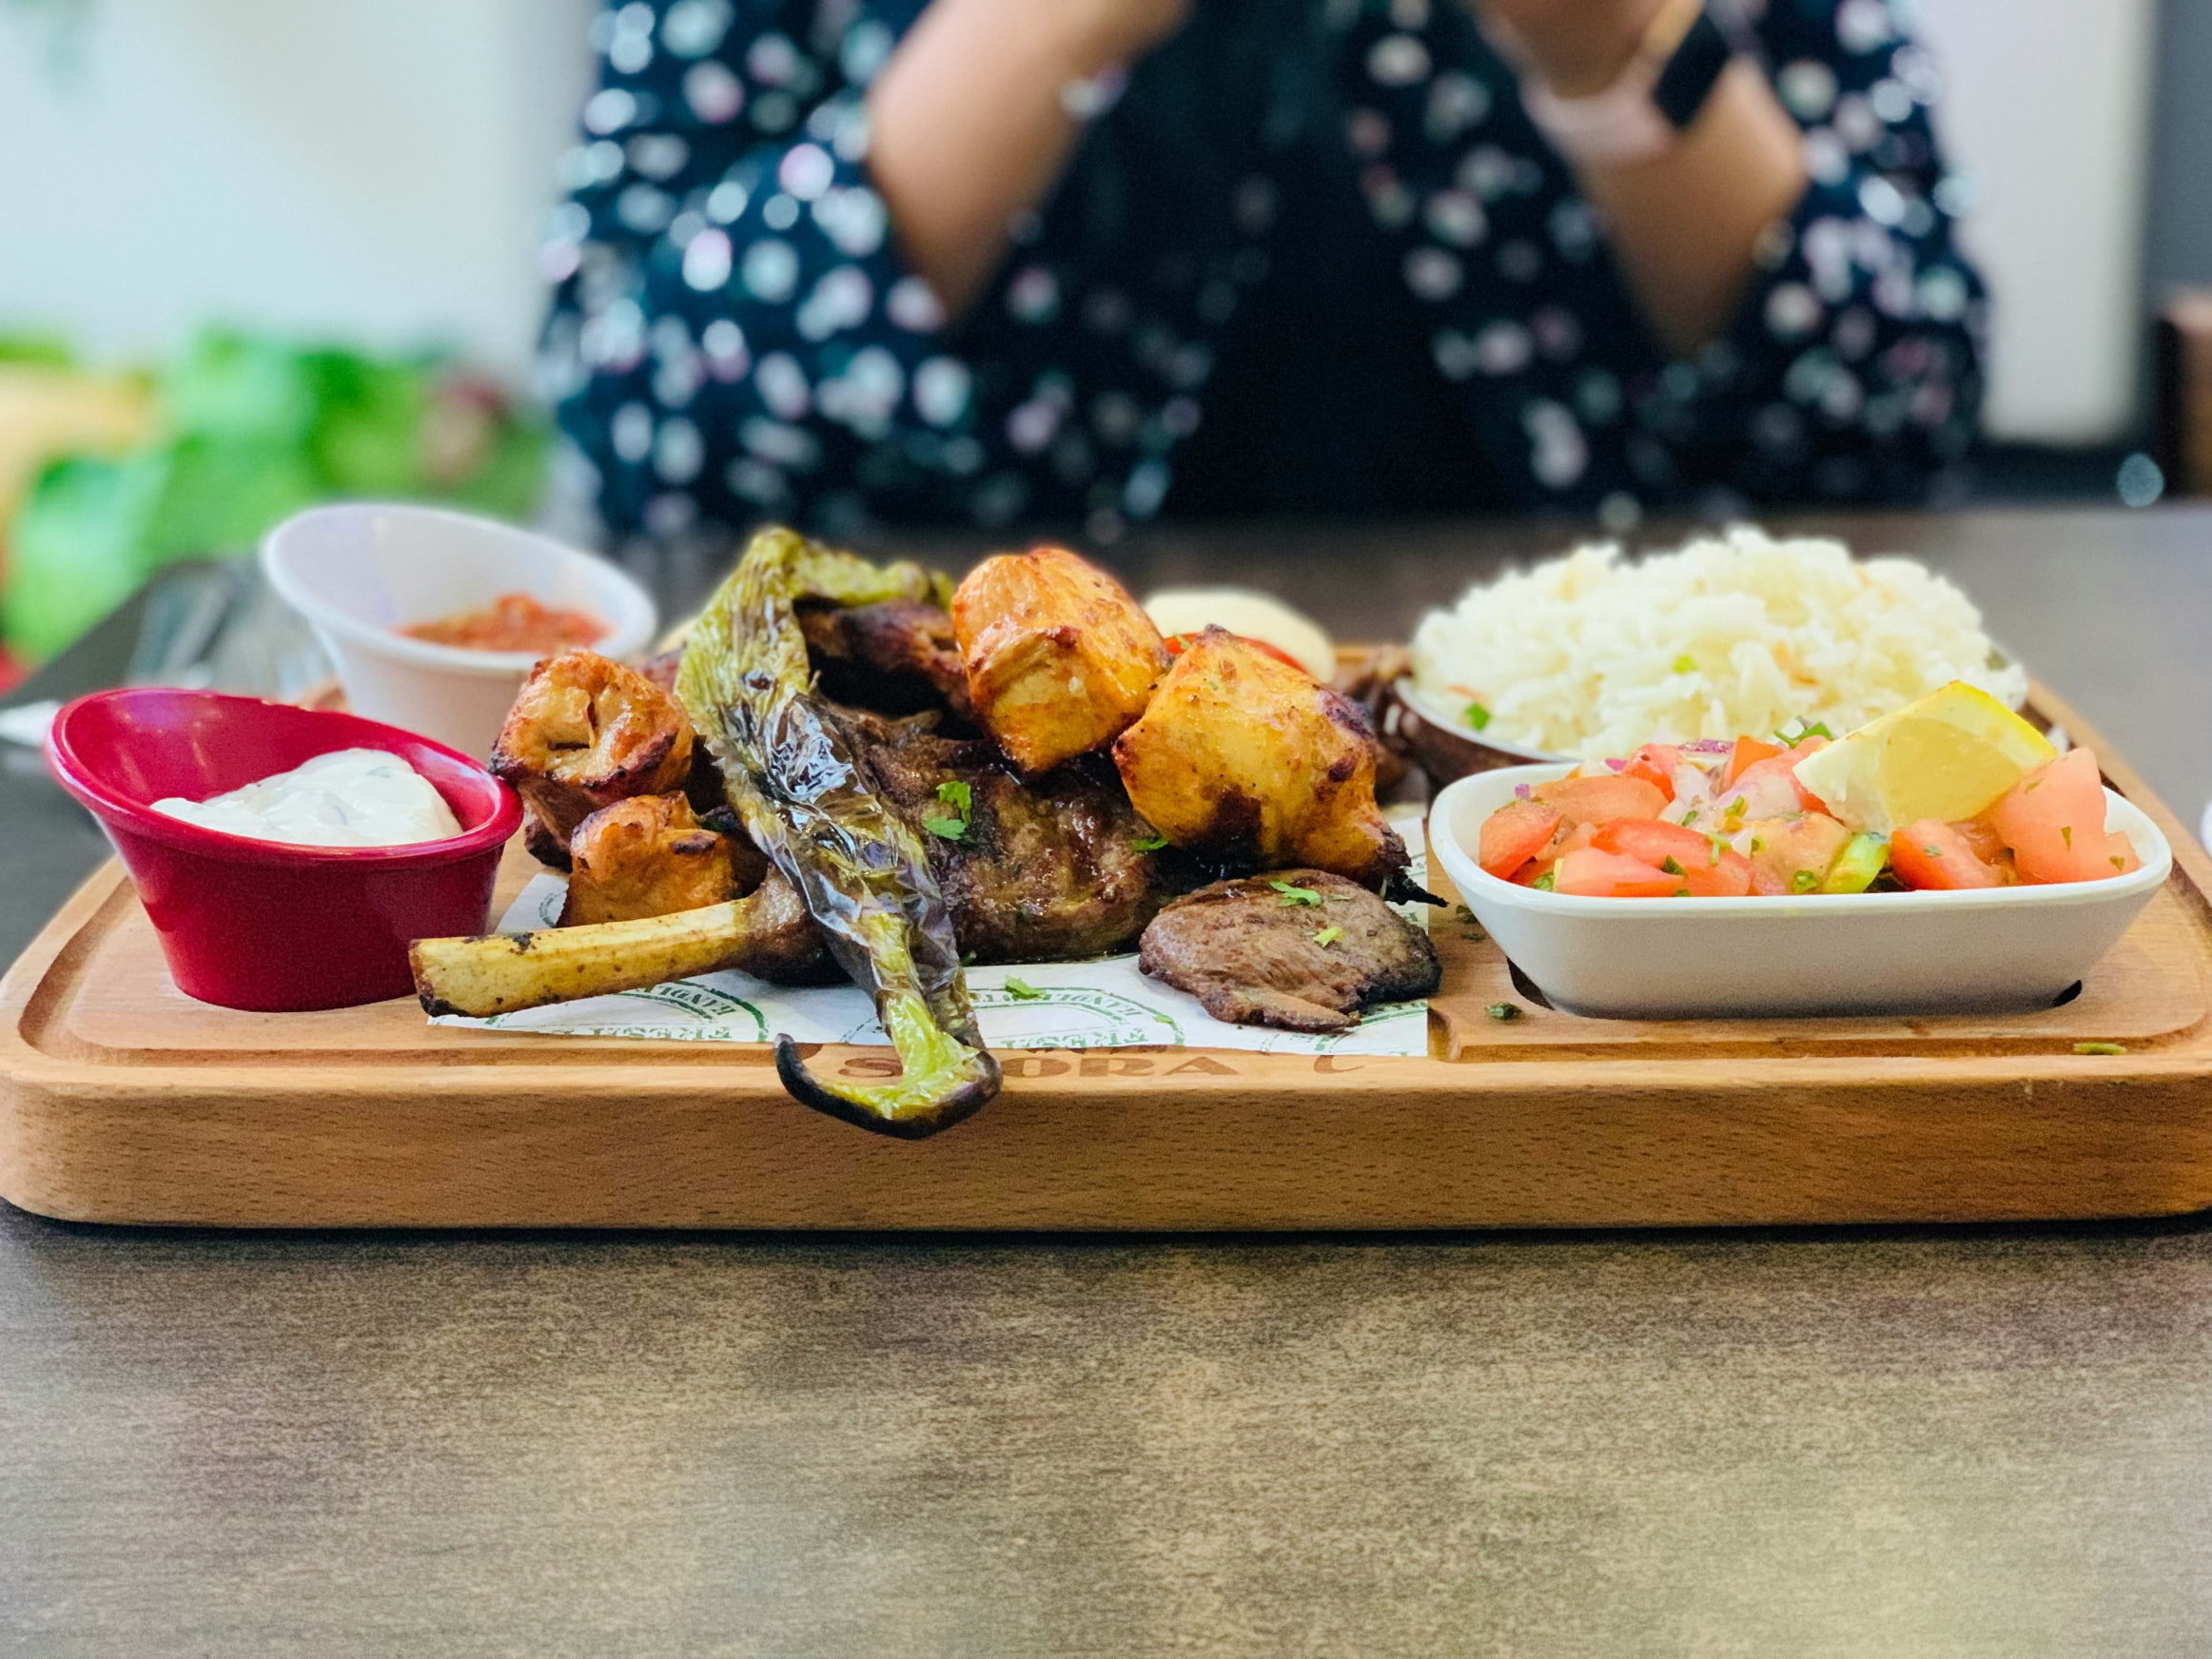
{"points": [[1948, 756]]}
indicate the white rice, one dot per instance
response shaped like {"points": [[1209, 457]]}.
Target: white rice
{"points": [[1591, 654]]}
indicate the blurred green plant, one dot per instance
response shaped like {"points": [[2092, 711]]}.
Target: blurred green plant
{"points": [[251, 429]]}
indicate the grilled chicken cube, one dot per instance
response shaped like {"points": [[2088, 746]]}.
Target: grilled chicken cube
{"points": [[1244, 759], [650, 856], [1059, 658], [584, 733]]}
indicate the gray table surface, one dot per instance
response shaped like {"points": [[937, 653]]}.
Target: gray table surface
{"points": [[1988, 1441]]}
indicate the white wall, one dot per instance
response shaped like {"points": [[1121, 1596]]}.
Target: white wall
{"points": [[2048, 112], [377, 167], [373, 167]]}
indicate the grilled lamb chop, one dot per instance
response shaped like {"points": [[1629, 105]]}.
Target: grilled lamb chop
{"points": [[1252, 953], [1047, 868]]}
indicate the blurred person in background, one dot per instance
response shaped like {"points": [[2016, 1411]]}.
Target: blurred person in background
{"points": [[853, 261]]}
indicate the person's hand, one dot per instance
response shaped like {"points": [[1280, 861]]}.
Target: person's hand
{"points": [[1575, 47]]}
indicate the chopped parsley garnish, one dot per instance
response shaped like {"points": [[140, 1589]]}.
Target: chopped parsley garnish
{"points": [[2034, 784], [2066, 834], [1735, 807], [1672, 864], [1149, 843], [1503, 1011], [1805, 729], [1295, 895], [1023, 991], [1804, 881], [1685, 664], [2121, 865], [1932, 851], [955, 793], [1478, 717], [1758, 844], [1543, 883], [1328, 936], [2100, 1049], [1679, 893], [1690, 817]]}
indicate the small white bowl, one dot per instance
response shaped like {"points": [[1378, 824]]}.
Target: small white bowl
{"points": [[360, 572], [1844, 953]]}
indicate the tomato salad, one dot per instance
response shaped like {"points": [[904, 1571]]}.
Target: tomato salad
{"points": [[1727, 820]]}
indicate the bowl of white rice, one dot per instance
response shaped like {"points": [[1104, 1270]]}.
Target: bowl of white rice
{"points": [[1593, 654]]}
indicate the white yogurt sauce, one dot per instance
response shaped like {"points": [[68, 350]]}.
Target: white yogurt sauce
{"points": [[350, 797]]}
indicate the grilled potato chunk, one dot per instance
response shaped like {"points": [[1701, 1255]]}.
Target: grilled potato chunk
{"points": [[1059, 658], [650, 856], [1245, 759], [584, 733]]}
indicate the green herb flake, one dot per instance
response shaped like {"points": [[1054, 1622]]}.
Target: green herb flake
{"points": [[2100, 1049], [1503, 1011], [1295, 895], [1735, 807], [1478, 717], [1149, 843], [1758, 844], [1932, 851], [2120, 865], [1804, 881], [1685, 664], [1714, 860], [955, 793], [1690, 817], [1543, 883], [951, 829], [2066, 834], [2032, 785], [1679, 893], [1672, 864], [1023, 991], [1328, 936]]}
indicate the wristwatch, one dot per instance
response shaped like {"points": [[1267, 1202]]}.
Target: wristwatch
{"points": [[1650, 103]]}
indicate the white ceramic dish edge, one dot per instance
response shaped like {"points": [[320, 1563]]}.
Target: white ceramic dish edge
{"points": [[359, 571], [1864, 953]]}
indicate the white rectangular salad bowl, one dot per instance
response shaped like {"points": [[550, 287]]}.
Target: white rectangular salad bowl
{"points": [[1859, 953]]}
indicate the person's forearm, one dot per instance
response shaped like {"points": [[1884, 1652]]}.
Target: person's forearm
{"points": [[1685, 225], [969, 127]]}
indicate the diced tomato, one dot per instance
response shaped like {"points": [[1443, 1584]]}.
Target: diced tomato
{"points": [[1748, 751], [1708, 870], [1592, 873], [1514, 834], [2053, 819], [1601, 798], [1655, 763], [1988, 846], [1792, 855], [1934, 855]]}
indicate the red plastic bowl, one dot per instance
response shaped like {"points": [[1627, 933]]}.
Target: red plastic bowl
{"points": [[269, 925]]}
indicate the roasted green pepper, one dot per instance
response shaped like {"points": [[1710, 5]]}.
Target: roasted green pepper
{"points": [[793, 781]]}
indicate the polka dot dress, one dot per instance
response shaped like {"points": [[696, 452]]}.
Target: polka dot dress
{"points": [[735, 333]]}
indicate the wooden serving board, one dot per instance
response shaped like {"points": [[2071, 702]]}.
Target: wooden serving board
{"points": [[122, 1101]]}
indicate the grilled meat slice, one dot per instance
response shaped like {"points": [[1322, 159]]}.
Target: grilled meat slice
{"points": [[1253, 953], [1046, 869], [897, 658]]}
